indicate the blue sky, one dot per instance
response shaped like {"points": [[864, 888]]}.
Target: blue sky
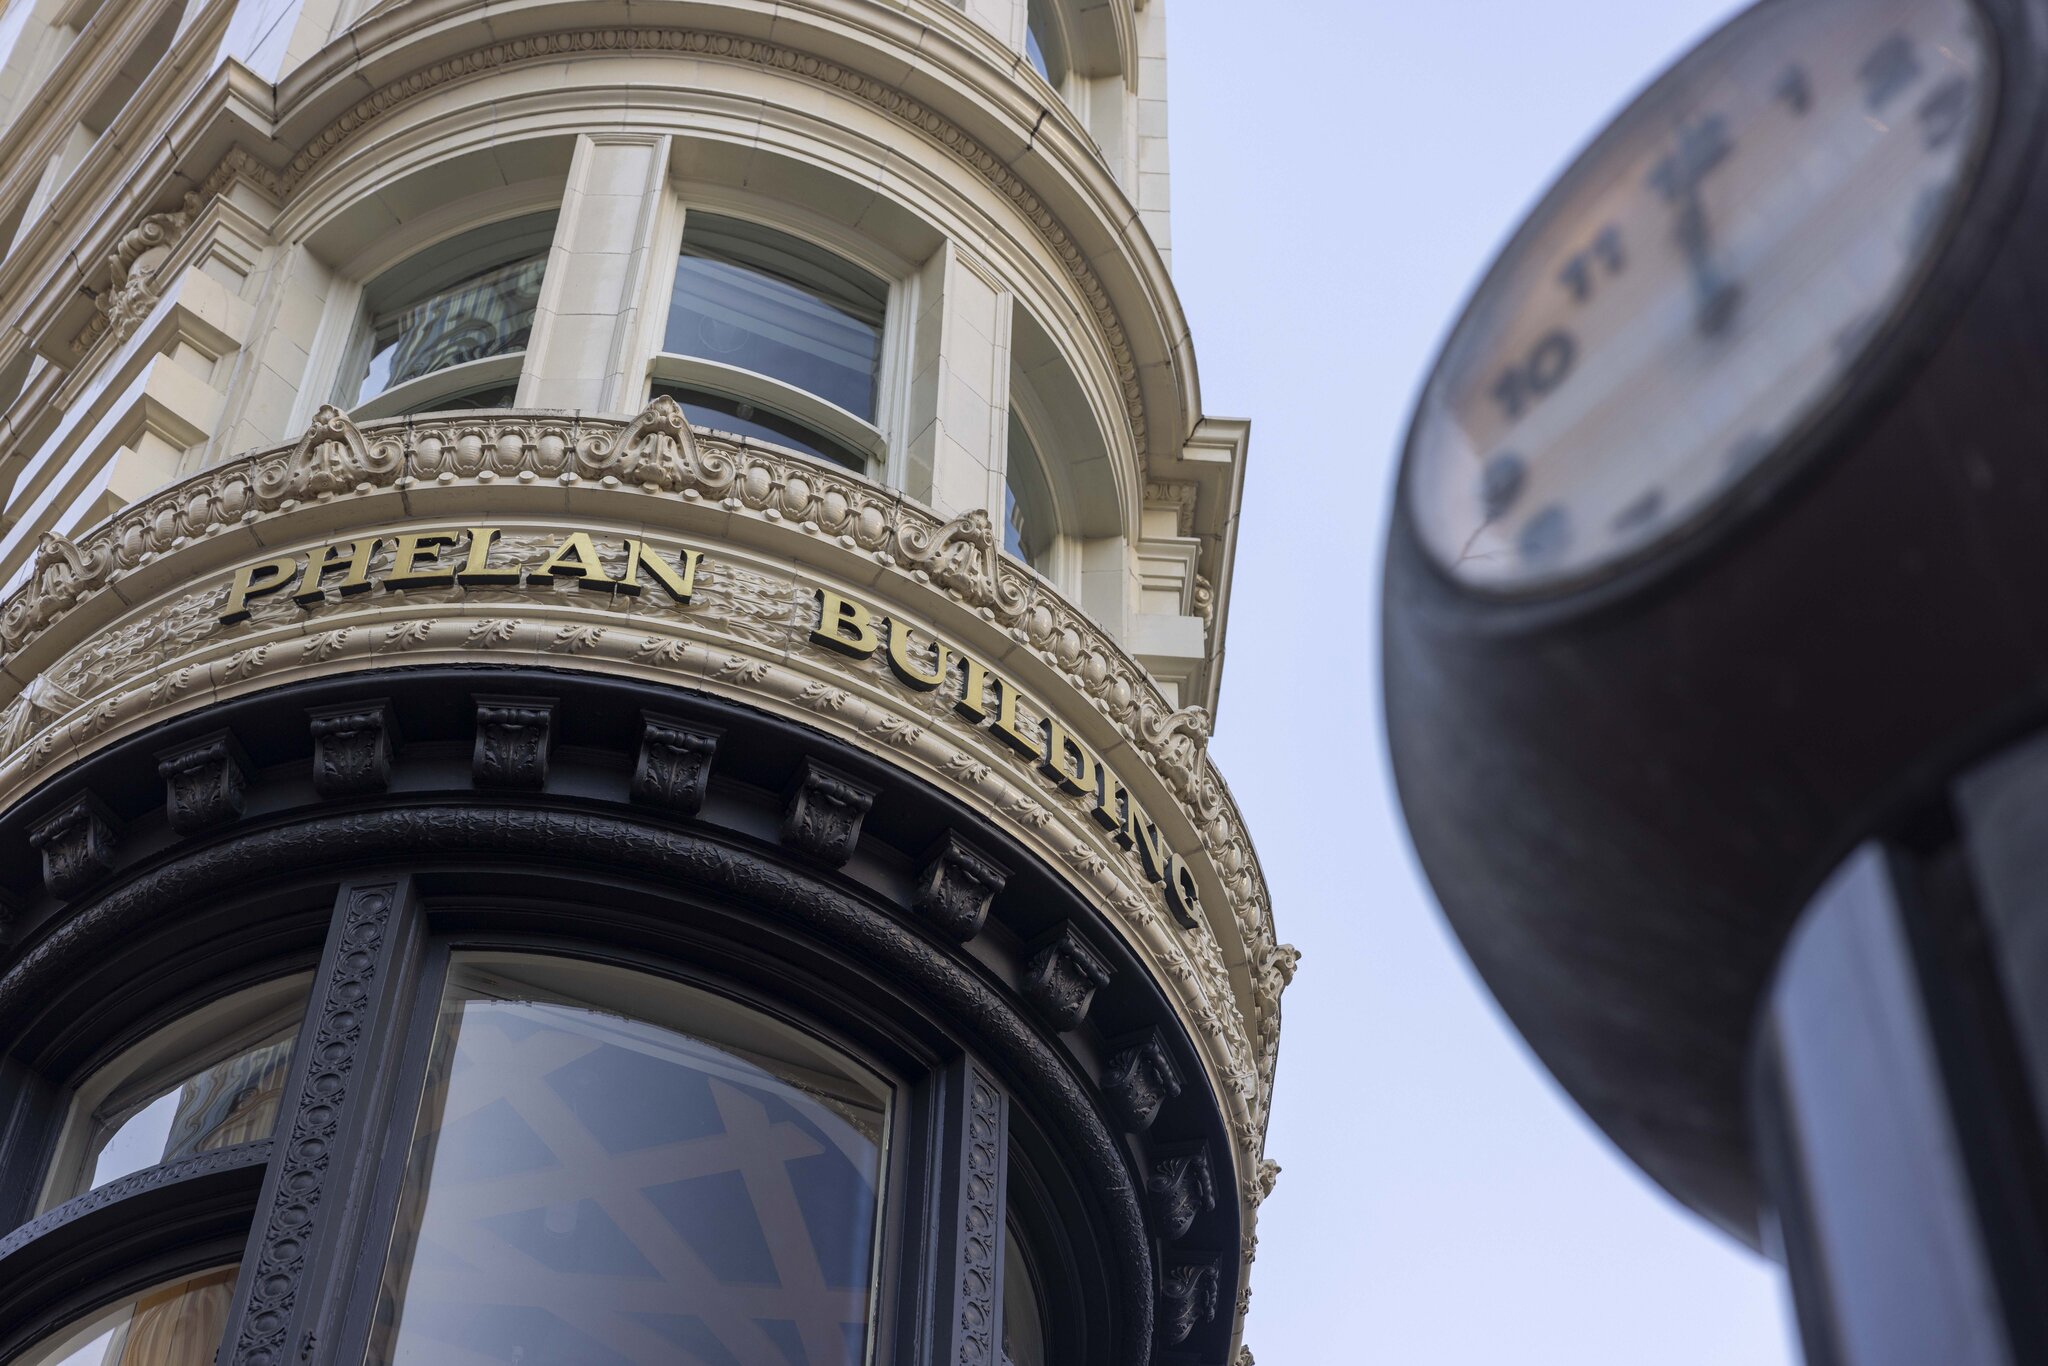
{"points": [[1342, 172]]}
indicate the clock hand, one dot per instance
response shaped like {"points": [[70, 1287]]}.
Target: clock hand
{"points": [[1714, 294], [1701, 147]]}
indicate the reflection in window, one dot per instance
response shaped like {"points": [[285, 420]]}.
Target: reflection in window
{"points": [[199, 1085], [761, 300], [603, 1185], [1028, 519], [1023, 1316], [705, 409], [471, 298], [179, 1324]]}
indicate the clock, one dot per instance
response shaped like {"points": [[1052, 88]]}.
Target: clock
{"points": [[1696, 291]]}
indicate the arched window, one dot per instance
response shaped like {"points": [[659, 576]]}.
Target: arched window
{"points": [[448, 327], [1030, 521], [772, 336], [1045, 44], [178, 1323], [664, 1170], [206, 1082]]}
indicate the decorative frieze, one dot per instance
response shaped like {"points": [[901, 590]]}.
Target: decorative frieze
{"points": [[1139, 1079], [824, 812], [673, 769], [1062, 976], [1181, 1189], [352, 747], [956, 886], [204, 782], [77, 844], [513, 737]]}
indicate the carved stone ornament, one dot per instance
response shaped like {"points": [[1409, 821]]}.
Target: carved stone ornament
{"points": [[1181, 1189], [352, 747], [674, 766], [316, 1119], [77, 844], [513, 735], [331, 458], [1139, 1079], [956, 887], [1187, 1299], [204, 782], [1062, 977], [824, 813]]}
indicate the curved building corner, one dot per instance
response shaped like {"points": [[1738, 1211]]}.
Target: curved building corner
{"points": [[611, 619]]}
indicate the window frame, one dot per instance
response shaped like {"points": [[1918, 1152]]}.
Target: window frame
{"points": [[880, 441]]}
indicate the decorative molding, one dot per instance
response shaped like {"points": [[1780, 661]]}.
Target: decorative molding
{"points": [[77, 845], [160, 660], [513, 736], [204, 782], [1178, 494], [1187, 1299], [956, 887], [1181, 1189], [665, 855], [352, 746], [1062, 976], [673, 768], [324, 1076], [824, 812], [1139, 1079], [252, 1154], [981, 1223]]}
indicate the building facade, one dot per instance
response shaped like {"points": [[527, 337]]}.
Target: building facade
{"points": [[611, 617]]}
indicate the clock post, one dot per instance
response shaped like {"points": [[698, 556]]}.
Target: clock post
{"points": [[1716, 651]]}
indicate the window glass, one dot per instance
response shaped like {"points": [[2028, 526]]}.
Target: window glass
{"points": [[470, 400], [1028, 518], [176, 1324], [1023, 1318], [1042, 46], [724, 414], [610, 1169], [470, 298], [761, 300], [207, 1082]]}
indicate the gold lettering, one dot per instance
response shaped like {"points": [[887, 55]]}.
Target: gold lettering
{"points": [[411, 554], [1111, 798], [357, 579], [1080, 778], [576, 558], [1139, 831], [1009, 725], [906, 666], [1183, 897], [845, 625], [973, 701], [253, 581], [678, 588], [475, 569]]}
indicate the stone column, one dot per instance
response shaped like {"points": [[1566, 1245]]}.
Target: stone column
{"points": [[584, 345]]}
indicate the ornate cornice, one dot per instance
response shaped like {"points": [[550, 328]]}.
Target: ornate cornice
{"points": [[93, 648]]}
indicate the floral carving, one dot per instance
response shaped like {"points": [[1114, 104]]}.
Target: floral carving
{"points": [[981, 1223], [512, 735], [674, 765], [824, 813], [1187, 1299], [351, 748], [956, 887], [332, 457], [1062, 977], [1181, 1189], [77, 845], [1139, 1079], [204, 783]]}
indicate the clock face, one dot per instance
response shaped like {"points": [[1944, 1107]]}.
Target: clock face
{"points": [[1697, 286]]}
